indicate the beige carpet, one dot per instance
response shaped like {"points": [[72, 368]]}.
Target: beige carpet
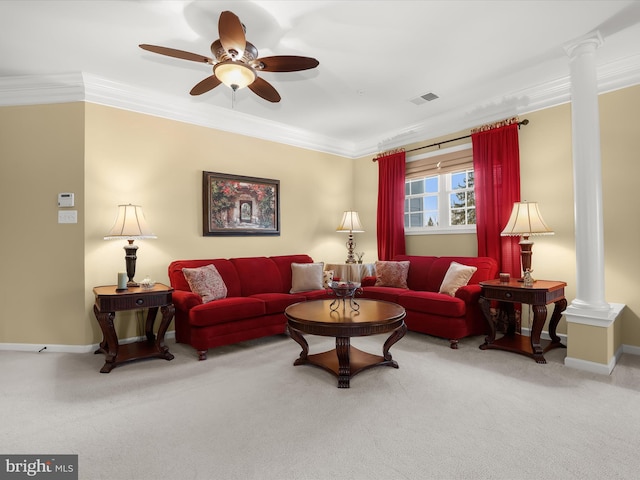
{"points": [[248, 413]]}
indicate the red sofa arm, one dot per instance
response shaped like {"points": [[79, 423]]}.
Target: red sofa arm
{"points": [[469, 293], [368, 281], [184, 300]]}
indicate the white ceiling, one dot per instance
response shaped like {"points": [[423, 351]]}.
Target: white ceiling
{"points": [[486, 60]]}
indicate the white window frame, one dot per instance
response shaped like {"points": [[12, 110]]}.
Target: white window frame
{"points": [[444, 181]]}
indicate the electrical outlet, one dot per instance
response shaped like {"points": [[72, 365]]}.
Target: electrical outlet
{"points": [[67, 216]]}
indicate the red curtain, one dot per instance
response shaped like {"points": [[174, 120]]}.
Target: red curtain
{"points": [[496, 165], [391, 170]]}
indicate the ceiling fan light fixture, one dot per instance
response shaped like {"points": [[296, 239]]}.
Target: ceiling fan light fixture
{"points": [[235, 75]]}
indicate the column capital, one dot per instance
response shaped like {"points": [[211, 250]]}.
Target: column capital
{"points": [[586, 43]]}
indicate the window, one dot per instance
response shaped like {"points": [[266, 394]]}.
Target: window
{"points": [[439, 193]]}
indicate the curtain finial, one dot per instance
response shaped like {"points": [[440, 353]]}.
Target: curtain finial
{"points": [[387, 153]]}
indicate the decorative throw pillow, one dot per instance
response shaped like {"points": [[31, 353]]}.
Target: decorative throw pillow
{"points": [[392, 274], [327, 278], [457, 276], [206, 282], [306, 276]]}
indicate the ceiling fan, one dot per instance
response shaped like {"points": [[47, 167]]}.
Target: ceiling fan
{"points": [[236, 61]]}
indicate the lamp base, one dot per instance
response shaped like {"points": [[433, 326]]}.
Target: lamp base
{"points": [[350, 246], [130, 260]]}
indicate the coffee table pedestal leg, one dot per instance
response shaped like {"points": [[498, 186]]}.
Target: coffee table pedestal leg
{"points": [[345, 361]]}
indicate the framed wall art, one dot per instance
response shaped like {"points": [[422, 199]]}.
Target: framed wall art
{"points": [[239, 205]]}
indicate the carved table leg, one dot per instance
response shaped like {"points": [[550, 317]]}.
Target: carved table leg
{"points": [[396, 335], [167, 315], [492, 320], [560, 306], [343, 346], [109, 344], [151, 318], [539, 317], [297, 336]]}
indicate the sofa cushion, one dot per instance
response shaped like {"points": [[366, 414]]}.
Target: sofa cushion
{"points": [[283, 262], [457, 276], [391, 274], [226, 310], [486, 270], [258, 275], [306, 277], [327, 278], [388, 294], [225, 268], [206, 282], [419, 266], [277, 302], [318, 295], [432, 303]]}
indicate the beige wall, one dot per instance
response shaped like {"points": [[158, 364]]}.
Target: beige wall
{"points": [[42, 285], [108, 156]]}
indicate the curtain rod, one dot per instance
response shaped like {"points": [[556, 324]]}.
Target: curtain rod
{"points": [[523, 122]]}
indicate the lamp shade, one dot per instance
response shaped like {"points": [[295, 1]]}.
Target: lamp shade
{"points": [[350, 223], [235, 75], [130, 223], [525, 220]]}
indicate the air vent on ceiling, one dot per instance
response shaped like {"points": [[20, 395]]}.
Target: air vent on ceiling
{"points": [[427, 97]]}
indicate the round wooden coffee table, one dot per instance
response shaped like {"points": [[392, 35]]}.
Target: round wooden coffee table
{"points": [[374, 317]]}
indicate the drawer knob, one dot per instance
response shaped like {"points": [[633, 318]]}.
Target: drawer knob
{"points": [[508, 295], [140, 301]]}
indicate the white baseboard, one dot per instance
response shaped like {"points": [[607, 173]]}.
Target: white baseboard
{"points": [[595, 367], [631, 349], [42, 348]]}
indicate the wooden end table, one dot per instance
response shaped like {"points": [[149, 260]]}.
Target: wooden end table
{"points": [[541, 294], [373, 317], [110, 300]]}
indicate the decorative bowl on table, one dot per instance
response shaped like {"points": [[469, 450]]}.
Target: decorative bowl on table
{"points": [[342, 291]]}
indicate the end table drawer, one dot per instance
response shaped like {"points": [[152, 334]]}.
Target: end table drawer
{"points": [[132, 302], [542, 293], [512, 295]]}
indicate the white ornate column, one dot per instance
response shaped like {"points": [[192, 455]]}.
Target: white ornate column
{"points": [[589, 316]]}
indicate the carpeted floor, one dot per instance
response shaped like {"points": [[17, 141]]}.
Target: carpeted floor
{"points": [[248, 413]]}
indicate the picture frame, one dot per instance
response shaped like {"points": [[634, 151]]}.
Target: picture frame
{"points": [[237, 205]]}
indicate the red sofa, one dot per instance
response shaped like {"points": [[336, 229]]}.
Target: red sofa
{"points": [[257, 295], [434, 313]]}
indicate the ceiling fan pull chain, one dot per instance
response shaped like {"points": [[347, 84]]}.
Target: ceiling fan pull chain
{"points": [[233, 99]]}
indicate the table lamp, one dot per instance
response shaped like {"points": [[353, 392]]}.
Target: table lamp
{"points": [[130, 224], [350, 223], [525, 220]]}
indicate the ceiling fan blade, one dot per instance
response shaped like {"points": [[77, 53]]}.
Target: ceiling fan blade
{"points": [[264, 89], [172, 52], [287, 63], [231, 34], [205, 85]]}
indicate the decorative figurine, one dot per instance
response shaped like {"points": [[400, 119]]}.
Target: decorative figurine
{"points": [[527, 278]]}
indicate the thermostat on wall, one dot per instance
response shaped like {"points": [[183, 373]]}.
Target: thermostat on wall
{"points": [[65, 200]]}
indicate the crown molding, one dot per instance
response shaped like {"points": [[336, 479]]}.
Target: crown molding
{"points": [[106, 92], [619, 74], [41, 89], [76, 87]]}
